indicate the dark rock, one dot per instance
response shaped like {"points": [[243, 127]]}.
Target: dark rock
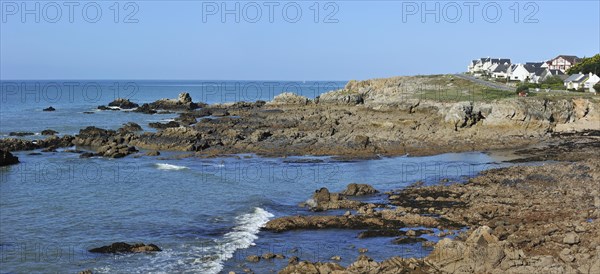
{"points": [[130, 127], [121, 247], [183, 102], [408, 240], [6, 158], [49, 132], [123, 104], [86, 155], [49, 109], [146, 109], [163, 125], [21, 134]]}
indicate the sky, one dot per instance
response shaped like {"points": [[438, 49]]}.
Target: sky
{"points": [[302, 40]]}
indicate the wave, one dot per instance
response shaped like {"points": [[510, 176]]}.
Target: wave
{"points": [[169, 167], [201, 257], [243, 236]]}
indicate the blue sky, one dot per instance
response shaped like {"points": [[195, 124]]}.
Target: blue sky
{"points": [[370, 39]]}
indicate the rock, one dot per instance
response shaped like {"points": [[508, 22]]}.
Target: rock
{"points": [[123, 103], [293, 260], [121, 247], [87, 271], [260, 135], [153, 153], [6, 158], [411, 233], [571, 238], [129, 127], [566, 256], [289, 98], [253, 259], [49, 132], [336, 258], [363, 250], [86, 155], [21, 134], [158, 125], [359, 190], [268, 256], [49, 109], [183, 102], [146, 109]]}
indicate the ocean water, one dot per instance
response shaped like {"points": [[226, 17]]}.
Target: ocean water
{"points": [[205, 214]]}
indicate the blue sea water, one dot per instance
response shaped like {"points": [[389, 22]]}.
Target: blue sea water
{"points": [[205, 214]]}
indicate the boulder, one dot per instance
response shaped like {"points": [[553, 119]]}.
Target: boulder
{"points": [[123, 103], [49, 132], [359, 190], [121, 247], [289, 98], [49, 109], [6, 158], [130, 127], [571, 238]]}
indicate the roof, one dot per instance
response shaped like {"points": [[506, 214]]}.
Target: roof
{"points": [[533, 67], [556, 72], [571, 58], [576, 78], [501, 68], [539, 71]]}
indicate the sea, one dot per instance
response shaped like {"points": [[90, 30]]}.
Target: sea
{"points": [[205, 214]]}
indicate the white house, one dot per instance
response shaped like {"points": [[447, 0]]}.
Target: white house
{"points": [[486, 65], [519, 72], [501, 71], [576, 81], [590, 82], [563, 62]]}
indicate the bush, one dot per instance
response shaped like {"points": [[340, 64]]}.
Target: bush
{"points": [[522, 88], [597, 87]]}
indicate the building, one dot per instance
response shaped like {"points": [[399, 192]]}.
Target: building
{"points": [[590, 82], [576, 81], [563, 62], [484, 65], [501, 71]]}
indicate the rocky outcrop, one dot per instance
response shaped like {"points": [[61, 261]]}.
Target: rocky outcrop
{"points": [[359, 190], [130, 128], [183, 102], [123, 103], [49, 109], [289, 98], [49, 132], [329, 222], [322, 200], [121, 247], [6, 158]]}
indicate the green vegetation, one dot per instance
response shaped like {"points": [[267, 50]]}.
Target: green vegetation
{"points": [[597, 87], [588, 65], [522, 88]]}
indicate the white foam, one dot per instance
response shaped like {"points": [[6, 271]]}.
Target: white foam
{"points": [[208, 257], [169, 167], [242, 236]]}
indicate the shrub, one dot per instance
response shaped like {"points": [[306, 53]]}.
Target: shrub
{"points": [[597, 87], [522, 88]]}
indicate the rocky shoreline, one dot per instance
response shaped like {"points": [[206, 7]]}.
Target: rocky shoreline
{"points": [[363, 120], [520, 219]]}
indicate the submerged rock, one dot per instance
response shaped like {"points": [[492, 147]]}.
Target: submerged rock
{"points": [[6, 158], [121, 247]]}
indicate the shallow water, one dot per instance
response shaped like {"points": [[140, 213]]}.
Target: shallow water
{"points": [[205, 214]]}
